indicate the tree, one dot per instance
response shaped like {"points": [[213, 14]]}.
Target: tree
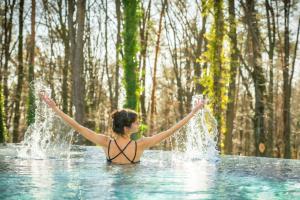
{"points": [[230, 112], [199, 49], [257, 74], [76, 59], [20, 76], [63, 32], [130, 63], [214, 80], [153, 97], [31, 98], [131, 17], [144, 35], [2, 118], [288, 73], [8, 24], [177, 69], [271, 40], [287, 80], [118, 50]]}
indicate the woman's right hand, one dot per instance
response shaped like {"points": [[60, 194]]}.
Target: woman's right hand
{"points": [[199, 105], [47, 100]]}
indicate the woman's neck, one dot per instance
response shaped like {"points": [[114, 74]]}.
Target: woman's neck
{"points": [[125, 137]]}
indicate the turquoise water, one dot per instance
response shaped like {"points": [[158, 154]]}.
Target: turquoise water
{"points": [[86, 175]]}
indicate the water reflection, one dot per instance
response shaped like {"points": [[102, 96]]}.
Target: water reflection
{"points": [[41, 177]]}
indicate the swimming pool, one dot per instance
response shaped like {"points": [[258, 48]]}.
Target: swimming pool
{"points": [[86, 175]]}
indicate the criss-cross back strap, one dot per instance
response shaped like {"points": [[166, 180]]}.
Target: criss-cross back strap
{"points": [[121, 150]]}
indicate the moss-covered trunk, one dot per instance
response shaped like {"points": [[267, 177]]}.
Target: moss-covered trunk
{"points": [[130, 62]]}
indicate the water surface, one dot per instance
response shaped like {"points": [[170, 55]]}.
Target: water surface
{"points": [[86, 175]]}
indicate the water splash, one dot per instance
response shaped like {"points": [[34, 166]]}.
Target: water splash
{"points": [[48, 136], [199, 140]]}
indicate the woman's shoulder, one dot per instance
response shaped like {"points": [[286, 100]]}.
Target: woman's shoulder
{"points": [[143, 141]]}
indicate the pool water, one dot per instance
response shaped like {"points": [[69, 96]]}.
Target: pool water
{"points": [[160, 175]]}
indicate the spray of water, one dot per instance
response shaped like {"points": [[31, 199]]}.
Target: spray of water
{"points": [[198, 140], [48, 136]]}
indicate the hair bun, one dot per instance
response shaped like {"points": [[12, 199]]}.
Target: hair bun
{"points": [[122, 118], [114, 114]]}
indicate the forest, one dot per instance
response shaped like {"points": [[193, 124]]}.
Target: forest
{"points": [[153, 56]]}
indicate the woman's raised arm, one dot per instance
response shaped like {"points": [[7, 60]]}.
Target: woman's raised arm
{"points": [[148, 142], [92, 136]]}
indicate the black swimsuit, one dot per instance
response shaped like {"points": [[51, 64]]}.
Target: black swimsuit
{"points": [[122, 152]]}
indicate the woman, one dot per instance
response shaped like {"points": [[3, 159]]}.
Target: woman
{"points": [[122, 150]]}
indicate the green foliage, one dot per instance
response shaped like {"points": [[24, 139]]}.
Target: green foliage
{"points": [[142, 130], [130, 63], [3, 131], [131, 48], [215, 76], [206, 6]]}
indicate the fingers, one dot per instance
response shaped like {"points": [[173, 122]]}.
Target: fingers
{"points": [[200, 103], [45, 98], [42, 94], [48, 100]]}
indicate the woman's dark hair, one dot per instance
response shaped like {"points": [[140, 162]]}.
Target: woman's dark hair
{"points": [[122, 118]]}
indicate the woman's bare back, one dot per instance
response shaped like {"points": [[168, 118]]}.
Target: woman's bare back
{"points": [[123, 151]]}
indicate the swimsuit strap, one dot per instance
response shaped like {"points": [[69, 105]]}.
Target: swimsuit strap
{"points": [[134, 152], [108, 151], [121, 151]]}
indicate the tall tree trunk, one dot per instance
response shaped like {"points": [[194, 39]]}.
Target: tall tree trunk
{"points": [[118, 49], [109, 80], [176, 66], [258, 79], [197, 65], [287, 86], [153, 97], [52, 63], [144, 33], [216, 65], [130, 51], [78, 89], [72, 41], [20, 76], [31, 98], [64, 34], [291, 79], [188, 90], [2, 118], [91, 73], [65, 78], [8, 19], [271, 38], [232, 78], [131, 19]]}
